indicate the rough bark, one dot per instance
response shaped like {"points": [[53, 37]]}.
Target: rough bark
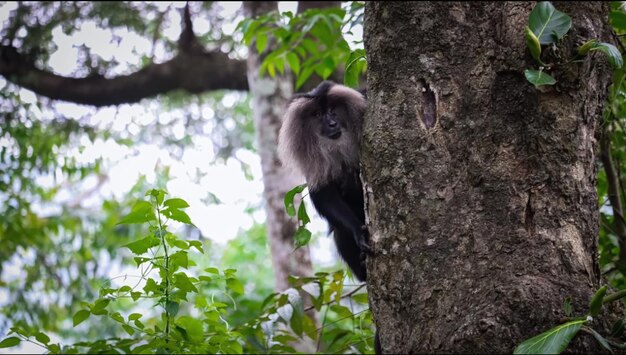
{"points": [[480, 188], [194, 72], [269, 99]]}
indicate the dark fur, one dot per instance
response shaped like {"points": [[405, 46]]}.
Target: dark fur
{"points": [[331, 166]]}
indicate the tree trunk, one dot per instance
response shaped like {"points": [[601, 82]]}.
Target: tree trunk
{"points": [[481, 189], [269, 99]]}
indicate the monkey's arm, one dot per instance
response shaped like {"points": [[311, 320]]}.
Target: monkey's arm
{"points": [[329, 203]]}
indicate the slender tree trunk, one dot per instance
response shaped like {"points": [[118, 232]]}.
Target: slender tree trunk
{"points": [[269, 99], [481, 189]]}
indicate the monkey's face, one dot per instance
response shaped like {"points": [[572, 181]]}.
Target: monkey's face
{"points": [[330, 126]]}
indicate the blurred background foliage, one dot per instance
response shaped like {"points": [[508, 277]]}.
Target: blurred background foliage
{"points": [[63, 181], [60, 194]]}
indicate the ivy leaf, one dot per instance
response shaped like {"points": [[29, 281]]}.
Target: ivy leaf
{"points": [[615, 57], [546, 22], [289, 196], [538, 77], [554, 341], [80, 316]]}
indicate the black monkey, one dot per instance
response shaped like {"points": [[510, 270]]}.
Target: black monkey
{"points": [[320, 136]]}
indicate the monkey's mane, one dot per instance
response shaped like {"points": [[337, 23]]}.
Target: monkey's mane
{"points": [[300, 146]]}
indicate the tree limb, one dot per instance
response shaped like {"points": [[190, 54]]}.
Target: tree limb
{"points": [[193, 72]]}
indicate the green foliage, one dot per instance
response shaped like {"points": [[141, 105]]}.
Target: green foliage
{"points": [[302, 235], [554, 341], [538, 77], [547, 26], [274, 323], [307, 43], [547, 23]]}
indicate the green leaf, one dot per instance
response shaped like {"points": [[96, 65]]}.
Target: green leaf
{"points": [[600, 339], [179, 216], [179, 259], [135, 295], [193, 328], [354, 65], [212, 270], [172, 308], [304, 76], [595, 305], [532, 42], [181, 280], [80, 316], [289, 196], [294, 62], [545, 21], [10, 342], [42, 338], [261, 42], [302, 237], [235, 285], [360, 298], [196, 244], [618, 20], [128, 329], [150, 286], [134, 316], [615, 57], [176, 203], [140, 213], [158, 194], [141, 246], [117, 317], [303, 217], [585, 47], [554, 341], [538, 77]]}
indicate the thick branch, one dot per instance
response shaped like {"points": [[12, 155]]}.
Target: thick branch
{"points": [[193, 72]]}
